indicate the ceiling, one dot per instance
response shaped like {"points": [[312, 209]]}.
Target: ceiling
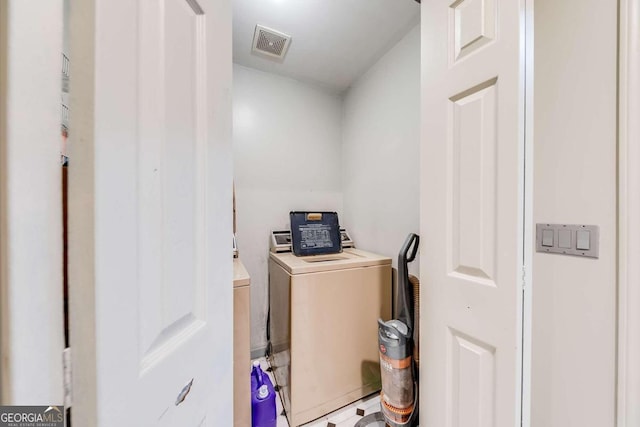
{"points": [[333, 42]]}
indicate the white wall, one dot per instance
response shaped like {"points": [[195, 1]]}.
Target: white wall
{"points": [[574, 299], [380, 153], [286, 138], [31, 298]]}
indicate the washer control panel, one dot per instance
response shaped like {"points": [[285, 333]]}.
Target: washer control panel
{"points": [[281, 240]]}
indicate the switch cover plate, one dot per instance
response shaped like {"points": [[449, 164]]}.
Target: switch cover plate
{"points": [[568, 239]]}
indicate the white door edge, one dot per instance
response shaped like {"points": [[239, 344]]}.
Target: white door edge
{"points": [[31, 295], [529, 229], [628, 369]]}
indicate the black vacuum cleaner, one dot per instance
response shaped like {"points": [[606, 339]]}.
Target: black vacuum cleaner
{"points": [[396, 341]]}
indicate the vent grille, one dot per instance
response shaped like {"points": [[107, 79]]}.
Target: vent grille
{"points": [[270, 42]]}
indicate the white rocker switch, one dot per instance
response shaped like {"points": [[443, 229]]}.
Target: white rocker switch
{"points": [[547, 238], [583, 240], [564, 239]]}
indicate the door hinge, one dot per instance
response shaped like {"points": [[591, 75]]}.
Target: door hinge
{"points": [[67, 377], [524, 277]]}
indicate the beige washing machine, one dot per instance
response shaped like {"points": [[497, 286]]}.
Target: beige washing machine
{"points": [[323, 329]]}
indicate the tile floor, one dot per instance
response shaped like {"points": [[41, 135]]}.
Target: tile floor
{"points": [[343, 417], [347, 416]]}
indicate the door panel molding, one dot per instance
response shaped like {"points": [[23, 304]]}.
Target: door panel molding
{"points": [[628, 411], [171, 49], [473, 25], [471, 158], [470, 381]]}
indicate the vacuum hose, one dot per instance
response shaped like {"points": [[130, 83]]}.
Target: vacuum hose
{"points": [[415, 283]]}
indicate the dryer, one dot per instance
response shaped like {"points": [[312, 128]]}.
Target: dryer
{"points": [[323, 328]]}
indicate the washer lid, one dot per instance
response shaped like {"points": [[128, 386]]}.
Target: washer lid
{"points": [[349, 258]]}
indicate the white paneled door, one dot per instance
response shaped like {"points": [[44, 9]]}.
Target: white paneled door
{"points": [[150, 213], [472, 207]]}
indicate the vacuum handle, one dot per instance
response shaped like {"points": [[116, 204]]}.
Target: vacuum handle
{"points": [[404, 304], [414, 240]]}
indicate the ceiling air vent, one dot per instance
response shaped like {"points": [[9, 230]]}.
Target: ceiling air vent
{"points": [[269, 42]]}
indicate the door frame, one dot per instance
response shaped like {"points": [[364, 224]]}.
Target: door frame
{"points": [[529, 228], [628, 391], [31, 294]]}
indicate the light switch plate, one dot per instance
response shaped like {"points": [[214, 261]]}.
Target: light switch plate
{"points": [[567, 238]]}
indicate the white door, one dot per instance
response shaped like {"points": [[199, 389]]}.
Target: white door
{"points": [[150, 213], [472, 203]]}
